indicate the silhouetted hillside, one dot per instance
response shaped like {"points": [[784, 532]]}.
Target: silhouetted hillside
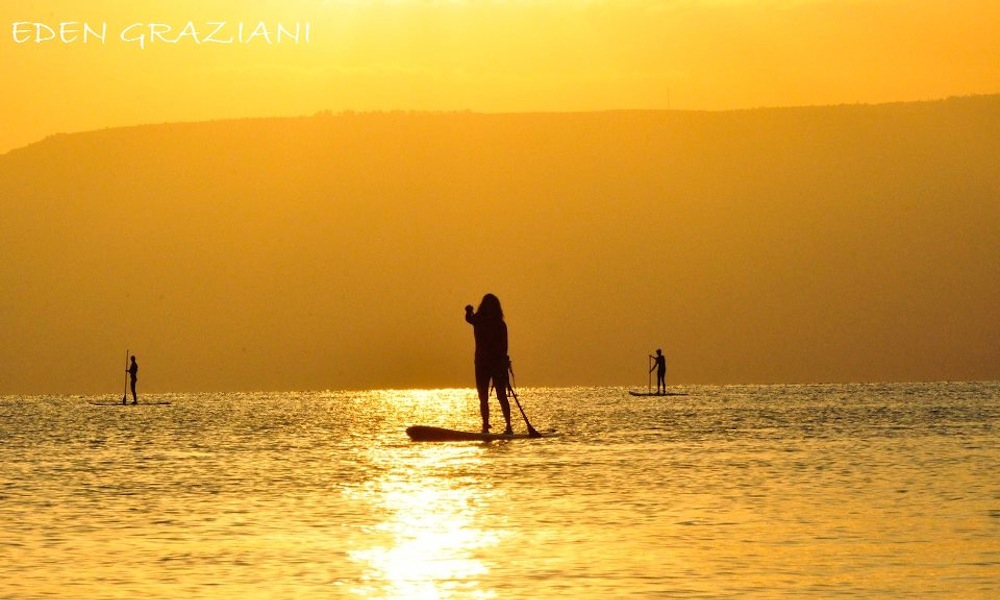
{"points": [[848, 242]]}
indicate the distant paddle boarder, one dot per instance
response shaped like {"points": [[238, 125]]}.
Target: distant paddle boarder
{"points": [[133, 375], [492, 362], [660, 364]]}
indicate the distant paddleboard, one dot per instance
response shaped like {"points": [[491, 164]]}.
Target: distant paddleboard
{"points": [[657, 394], [129, 404], [423, 433]]}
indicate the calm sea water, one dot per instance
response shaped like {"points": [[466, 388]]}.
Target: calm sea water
{"points": [[858, 491]]}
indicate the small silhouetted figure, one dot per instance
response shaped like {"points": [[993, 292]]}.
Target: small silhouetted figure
{"points": [[661, 371], [492, 362], [133, 375]]}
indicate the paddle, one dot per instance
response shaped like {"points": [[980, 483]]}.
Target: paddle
{"points": [[649, 379], [125, 395], [531, 430]]}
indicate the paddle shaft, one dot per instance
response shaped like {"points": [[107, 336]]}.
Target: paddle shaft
{"points": [[125, 395], [510, 386], [531, 430], [649, 379]]}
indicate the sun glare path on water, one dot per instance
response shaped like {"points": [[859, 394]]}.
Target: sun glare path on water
{"points": [[429, 537], [431, 526]]}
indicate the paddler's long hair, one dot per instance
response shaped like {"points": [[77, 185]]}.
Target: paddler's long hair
{"points": [[489, 307]]}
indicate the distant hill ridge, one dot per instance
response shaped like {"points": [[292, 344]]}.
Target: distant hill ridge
{"points": [[987, 102]]}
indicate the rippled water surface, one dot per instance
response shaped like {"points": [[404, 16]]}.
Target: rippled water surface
{"points": [[865, 491]]}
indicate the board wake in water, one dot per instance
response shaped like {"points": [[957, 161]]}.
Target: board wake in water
{"points": [[424, 433]]}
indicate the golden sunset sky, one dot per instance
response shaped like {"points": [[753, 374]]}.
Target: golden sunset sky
{"points": [[483, 55], [858, 242]]}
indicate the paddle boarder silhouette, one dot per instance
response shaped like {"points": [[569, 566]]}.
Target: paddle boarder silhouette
{"points": [[660, 364], [133, 375], [492, 362]]}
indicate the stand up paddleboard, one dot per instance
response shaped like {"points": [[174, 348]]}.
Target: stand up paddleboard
{"points": [[424, 433], [655, 394], [129, 404]]}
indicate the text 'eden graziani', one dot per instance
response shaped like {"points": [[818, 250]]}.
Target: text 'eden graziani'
{"points": [[143, 34]]}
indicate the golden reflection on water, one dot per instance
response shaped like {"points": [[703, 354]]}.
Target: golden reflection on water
{"points": [[429, 536], [758, 492]]}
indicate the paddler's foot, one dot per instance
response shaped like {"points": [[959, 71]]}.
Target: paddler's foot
{"points": [[135, 402], [486, 427], [508, 431]]}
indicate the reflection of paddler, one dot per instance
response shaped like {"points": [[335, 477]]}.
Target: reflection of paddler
{"points": [[133, 375], [492, 361], [660, 364]]}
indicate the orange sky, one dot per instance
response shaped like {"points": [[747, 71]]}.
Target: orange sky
{"points": [[497, 55]]}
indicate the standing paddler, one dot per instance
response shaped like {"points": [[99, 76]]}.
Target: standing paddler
{"points": [[660, 364], [492, 361], [133, 376]]}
